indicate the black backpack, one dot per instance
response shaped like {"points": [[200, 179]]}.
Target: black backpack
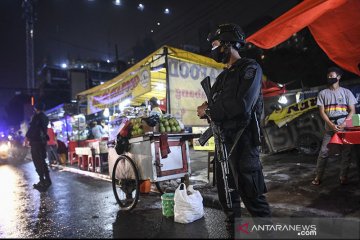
{"points": [[122, 145]]}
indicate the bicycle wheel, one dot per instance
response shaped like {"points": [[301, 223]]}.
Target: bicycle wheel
{"points": [[125, 182]]}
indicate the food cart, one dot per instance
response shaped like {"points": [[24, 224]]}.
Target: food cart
{"points": [[144, 163]]}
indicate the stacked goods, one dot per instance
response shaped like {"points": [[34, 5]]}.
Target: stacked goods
{"points": [[136, 127], [139, 126], [169, 125]]}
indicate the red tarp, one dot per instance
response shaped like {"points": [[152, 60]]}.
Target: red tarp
{"points": [[335, 25], [270, 89]]}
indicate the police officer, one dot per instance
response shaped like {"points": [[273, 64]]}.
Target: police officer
{"points": [[237, 103], [37, 137]]}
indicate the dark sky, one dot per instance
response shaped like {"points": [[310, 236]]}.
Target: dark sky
{"points": [[85, 29], [70, 29]]}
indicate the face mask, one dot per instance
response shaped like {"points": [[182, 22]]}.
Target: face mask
{"points": [[331, 81], [219, 56]]}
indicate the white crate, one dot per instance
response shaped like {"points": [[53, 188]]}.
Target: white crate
{"points": [[83, 151]]}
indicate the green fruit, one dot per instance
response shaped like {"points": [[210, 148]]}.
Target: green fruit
{"points": [[162, 129], [173, 129], [168, 129], [178, 129], [140, 131], [166, 123], [161, 125]]}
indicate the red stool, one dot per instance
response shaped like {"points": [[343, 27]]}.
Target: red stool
{"points": [[83, 162], [97, 165], [73, 157]]}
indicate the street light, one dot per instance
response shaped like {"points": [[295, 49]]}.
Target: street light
{"points": [[141, 7], [167, 11]]}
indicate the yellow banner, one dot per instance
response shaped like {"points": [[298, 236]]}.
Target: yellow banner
{"points": [[129, 87], [186, 92], [285, 115], [209, 145]]}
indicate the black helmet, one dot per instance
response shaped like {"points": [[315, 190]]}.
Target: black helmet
{"points": [[229, 32]]}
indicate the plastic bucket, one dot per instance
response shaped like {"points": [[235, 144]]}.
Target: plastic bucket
{"points": [[145, 186], [167, 202]]}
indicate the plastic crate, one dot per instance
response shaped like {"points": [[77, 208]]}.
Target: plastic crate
{"points": [[167, 202]]}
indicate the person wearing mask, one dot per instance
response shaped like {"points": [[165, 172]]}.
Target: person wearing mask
{"points": [[37, 138], [236, 105], [336, 104]]}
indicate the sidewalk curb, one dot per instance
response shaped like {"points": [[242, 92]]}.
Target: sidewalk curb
{"points": [[208, 199]]}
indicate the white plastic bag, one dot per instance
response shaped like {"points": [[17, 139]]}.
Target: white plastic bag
{"points": [[187, 207]]}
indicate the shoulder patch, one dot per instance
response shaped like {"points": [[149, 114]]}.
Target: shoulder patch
{"points": [[250, 73]]}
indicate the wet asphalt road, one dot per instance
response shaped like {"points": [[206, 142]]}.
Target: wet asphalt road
{"points": [[77, 206]]}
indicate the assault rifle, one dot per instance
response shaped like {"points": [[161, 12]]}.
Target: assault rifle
{"points": [[221, 152]]}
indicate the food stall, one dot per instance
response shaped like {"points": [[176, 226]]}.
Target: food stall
{"points": [[150, 152], [173, 76]]}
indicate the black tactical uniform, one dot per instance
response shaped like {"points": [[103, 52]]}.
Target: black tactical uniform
{"points": [[237, 103], [37, 137]]}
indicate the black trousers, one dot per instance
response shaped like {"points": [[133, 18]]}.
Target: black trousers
{"points": [[250, 191], [38, 154]]}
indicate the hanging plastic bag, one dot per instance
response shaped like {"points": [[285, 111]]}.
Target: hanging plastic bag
{"points": [[188, 204]]}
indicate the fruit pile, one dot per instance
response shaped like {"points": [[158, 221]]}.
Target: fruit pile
{"points": [[136, 127], [169, 125]]}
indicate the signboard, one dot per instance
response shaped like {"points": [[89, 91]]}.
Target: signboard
{"points": [[285, 115], [129, 87], [209, 145], [186, 92]]}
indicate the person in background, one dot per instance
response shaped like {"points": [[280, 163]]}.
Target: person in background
{"points": [[336, 104], [52, 155], [154, 105], [97, 130], [103, 125], [62, 151], [37, 138], [236, 106]]}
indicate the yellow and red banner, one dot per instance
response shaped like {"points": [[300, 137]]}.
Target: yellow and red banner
{"points": [[129, 87], [285, 115]]}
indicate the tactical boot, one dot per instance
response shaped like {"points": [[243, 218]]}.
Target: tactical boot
{"points": [[47, 181], [40, 186]]}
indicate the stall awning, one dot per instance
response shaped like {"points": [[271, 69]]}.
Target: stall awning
{"points": [[142, 81], [334, 24], [159, 74]]}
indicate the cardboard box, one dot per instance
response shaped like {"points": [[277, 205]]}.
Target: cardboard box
{"points": [[356, 120]]}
